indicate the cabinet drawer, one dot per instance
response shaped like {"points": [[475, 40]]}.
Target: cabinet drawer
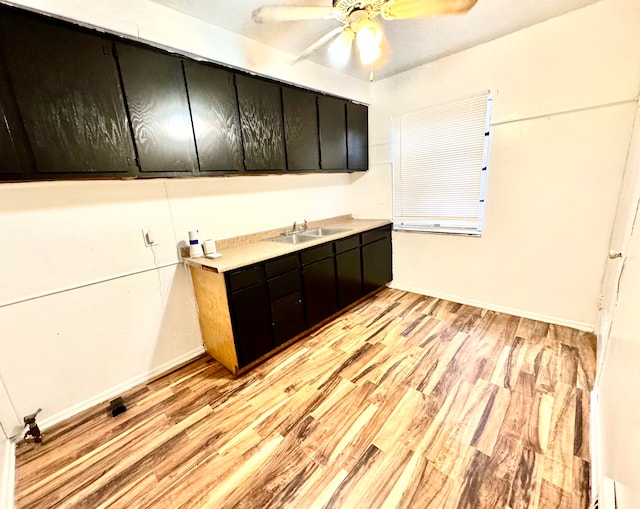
{"points": [[281, 265], [284, 284], [377, 234], [242, 278], [317, 253], [343, 245]]}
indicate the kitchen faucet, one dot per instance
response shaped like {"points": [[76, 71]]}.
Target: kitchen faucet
{"points": [[303, 228]]}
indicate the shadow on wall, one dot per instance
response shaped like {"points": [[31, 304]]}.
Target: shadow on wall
{"points": [[38, 196], [179, 332]]}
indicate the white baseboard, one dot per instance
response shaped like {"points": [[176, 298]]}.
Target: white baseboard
{"points": [[7, 474], [119, 389], [583, 326]]}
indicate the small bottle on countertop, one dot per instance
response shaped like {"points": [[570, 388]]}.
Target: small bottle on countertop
{"points": [[195, 249]]}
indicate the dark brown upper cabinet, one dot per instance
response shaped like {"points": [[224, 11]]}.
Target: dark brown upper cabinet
{"points": [[357, 137], [216, 122], [156, 97], [15, 153], [301, 129], [67, 88], [333, 133], [261, 121], [78, 103]]}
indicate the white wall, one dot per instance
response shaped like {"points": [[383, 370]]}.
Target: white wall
{"points": [[553, 178], [618, 375], [86, 310], [619, 379]]}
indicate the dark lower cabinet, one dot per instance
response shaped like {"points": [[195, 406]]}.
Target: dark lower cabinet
{"points": [[285, 294], [261, 123], [251, 323], [376, 259], [156, 96], [67, 88], [288, 317], [320, 290], [248, 312], [349, 276]]}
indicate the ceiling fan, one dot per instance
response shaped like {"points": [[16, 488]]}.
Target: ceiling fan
{"points": [[356, 18]]}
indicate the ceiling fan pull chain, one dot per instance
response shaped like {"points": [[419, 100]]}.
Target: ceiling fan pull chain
{"points": [[371, 73]]}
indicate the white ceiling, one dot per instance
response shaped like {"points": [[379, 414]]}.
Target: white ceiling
{"points": [[409, 43]]}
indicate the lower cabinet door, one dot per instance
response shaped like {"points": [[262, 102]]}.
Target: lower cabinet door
{"points": [[349, 273], [376, 264], [251, 323], [288, 317], [320, 290]]}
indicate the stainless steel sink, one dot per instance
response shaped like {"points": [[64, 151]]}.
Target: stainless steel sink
{"points": [[324, 232], [307, 235], [293, 238]]}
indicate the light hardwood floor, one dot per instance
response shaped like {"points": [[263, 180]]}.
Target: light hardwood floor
{"points": [[404, 401]]}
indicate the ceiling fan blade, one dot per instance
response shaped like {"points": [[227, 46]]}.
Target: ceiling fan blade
{"points": [[268, 13], [319, 43], [404, 9]]}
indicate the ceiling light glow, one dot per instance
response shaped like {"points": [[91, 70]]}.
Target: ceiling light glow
{"points": [[369, 38], [340, 49]]}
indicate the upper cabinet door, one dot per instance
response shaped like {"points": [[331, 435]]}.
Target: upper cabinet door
{"points": [[301, 129], [156, 95], [67, 87], [15, 154], [333, 135], [261, 120], [216, 122], [357, 137]]}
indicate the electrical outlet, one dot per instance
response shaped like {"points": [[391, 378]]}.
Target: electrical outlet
{"points": [[149, 237]]}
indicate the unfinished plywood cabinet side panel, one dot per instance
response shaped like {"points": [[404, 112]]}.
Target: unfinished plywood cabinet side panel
{"points": [[214, 316]]}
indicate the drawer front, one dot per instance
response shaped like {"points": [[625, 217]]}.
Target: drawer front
{"points": [[281, 265], [242, 278], [284, 284], [317, 253], [343, 245], [377, 234]]}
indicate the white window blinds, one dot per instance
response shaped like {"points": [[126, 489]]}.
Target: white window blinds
{"points": [[439, 170]]}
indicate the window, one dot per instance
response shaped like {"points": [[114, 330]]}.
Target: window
{"points": [[440, 166]]}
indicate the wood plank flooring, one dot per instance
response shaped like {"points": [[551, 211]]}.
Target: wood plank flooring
{"points": [[405, 401]]}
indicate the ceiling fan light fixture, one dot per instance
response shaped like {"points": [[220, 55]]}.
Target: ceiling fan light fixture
{"points": [[340, 48], [369, 38]]}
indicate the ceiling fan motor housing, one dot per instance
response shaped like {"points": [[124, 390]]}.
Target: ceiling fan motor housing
{"points": [[350, 11]]}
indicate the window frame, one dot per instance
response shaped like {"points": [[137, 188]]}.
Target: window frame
{"points": [[478, 119]]}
